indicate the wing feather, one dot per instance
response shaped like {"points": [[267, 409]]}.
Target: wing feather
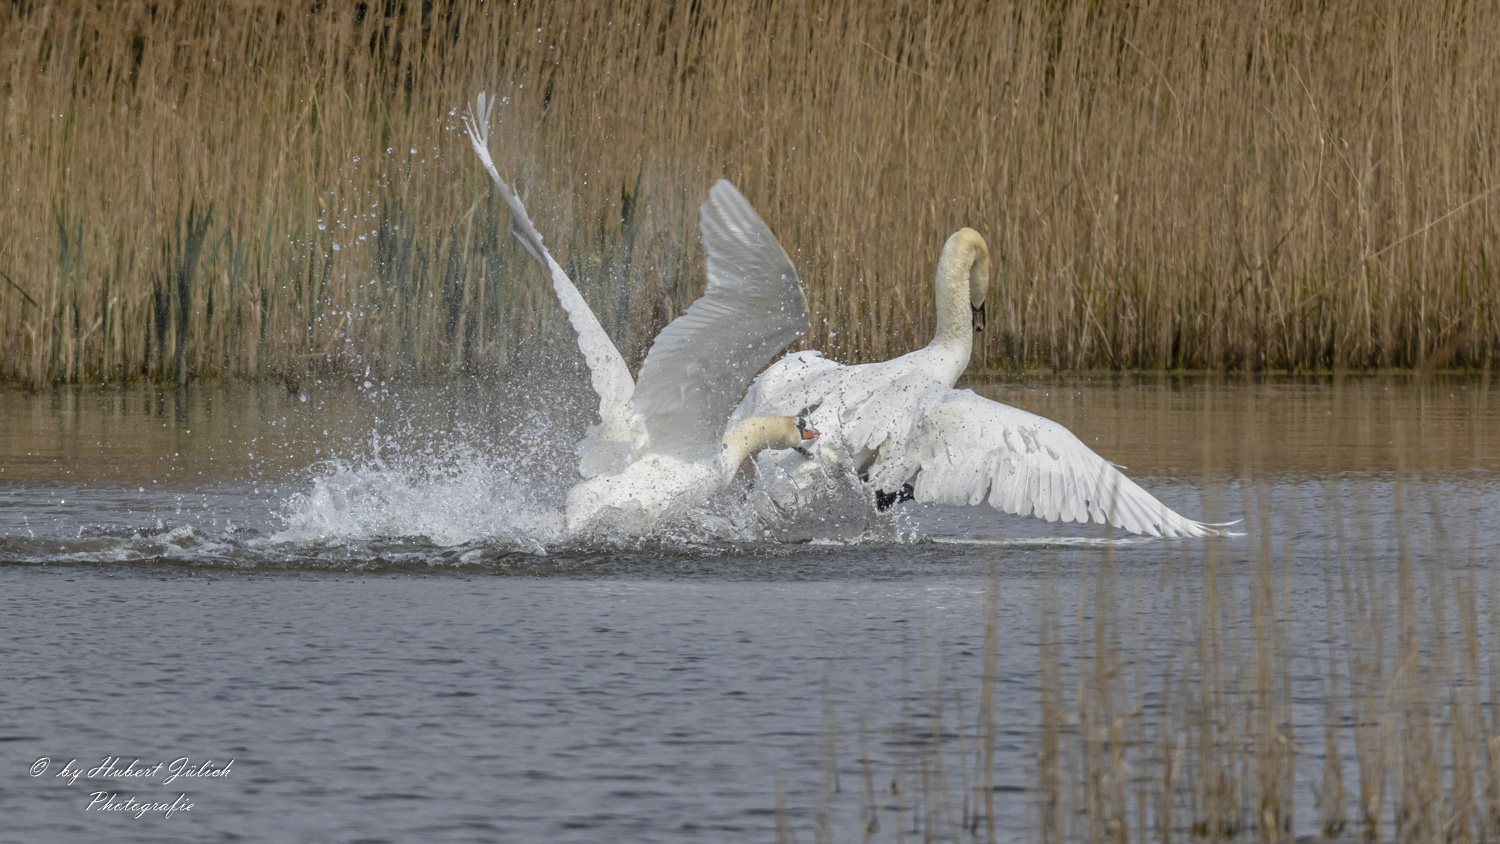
{"points": [[609, 444], [701, 363], [956, 447]]}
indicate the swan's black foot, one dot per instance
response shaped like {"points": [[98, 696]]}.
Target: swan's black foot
{"points": [[886, 500]]}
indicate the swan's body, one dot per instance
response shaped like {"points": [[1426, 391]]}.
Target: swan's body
{"points": [[658, 443], [910, 434], [635, 498]]}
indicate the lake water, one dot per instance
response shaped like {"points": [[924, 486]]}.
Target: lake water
{"points": [[354, 596]]}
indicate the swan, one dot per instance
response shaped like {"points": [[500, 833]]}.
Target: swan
{"points": [[657, 443], [912, 435]]}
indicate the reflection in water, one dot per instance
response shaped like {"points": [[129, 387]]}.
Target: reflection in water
{"points": [[1156, 424], [1310, 427], [200, 542]]}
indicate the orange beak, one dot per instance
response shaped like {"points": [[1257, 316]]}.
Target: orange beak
{"points": [[808, 433]]}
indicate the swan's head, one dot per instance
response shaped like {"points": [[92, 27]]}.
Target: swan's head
{"points": [[972, 243], [807, 434]]}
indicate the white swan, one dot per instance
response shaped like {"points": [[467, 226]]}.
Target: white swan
{"points": [[657, 444], [911, 435]]}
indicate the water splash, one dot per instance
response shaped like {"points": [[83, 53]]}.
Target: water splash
{"points": [[464, 498], [458, 491], [446, 467]]}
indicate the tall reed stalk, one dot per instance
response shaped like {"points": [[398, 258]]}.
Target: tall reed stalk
{"points": [[1291, 185]]}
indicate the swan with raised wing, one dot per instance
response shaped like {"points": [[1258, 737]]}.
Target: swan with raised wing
{"points": [[662, 440], [911, 435]]}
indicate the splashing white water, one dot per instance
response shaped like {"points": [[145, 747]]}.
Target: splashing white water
{"points": [[466, 497], [449, 482], [451, 496]]}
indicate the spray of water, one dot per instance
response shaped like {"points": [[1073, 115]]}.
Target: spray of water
{"points": [[451, 497]]}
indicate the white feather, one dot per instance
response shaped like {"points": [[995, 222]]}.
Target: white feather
{"points": [[610, 444], [700, 364]]}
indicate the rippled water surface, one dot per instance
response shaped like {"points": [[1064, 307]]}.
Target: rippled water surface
{"points": [[359, 594]]}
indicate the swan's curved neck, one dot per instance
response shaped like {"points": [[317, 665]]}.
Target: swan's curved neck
{"points": [[747, 438], [732, 456], [963, 267]]}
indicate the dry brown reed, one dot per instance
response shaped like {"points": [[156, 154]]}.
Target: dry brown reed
{"points": [[203, 189]]}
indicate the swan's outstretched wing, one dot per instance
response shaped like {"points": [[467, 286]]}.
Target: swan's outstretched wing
{"points": [[700, 364], [608, 444], [955, 447]]}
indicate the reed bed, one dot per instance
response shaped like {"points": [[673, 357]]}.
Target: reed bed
{"points": [[262, 189]]}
